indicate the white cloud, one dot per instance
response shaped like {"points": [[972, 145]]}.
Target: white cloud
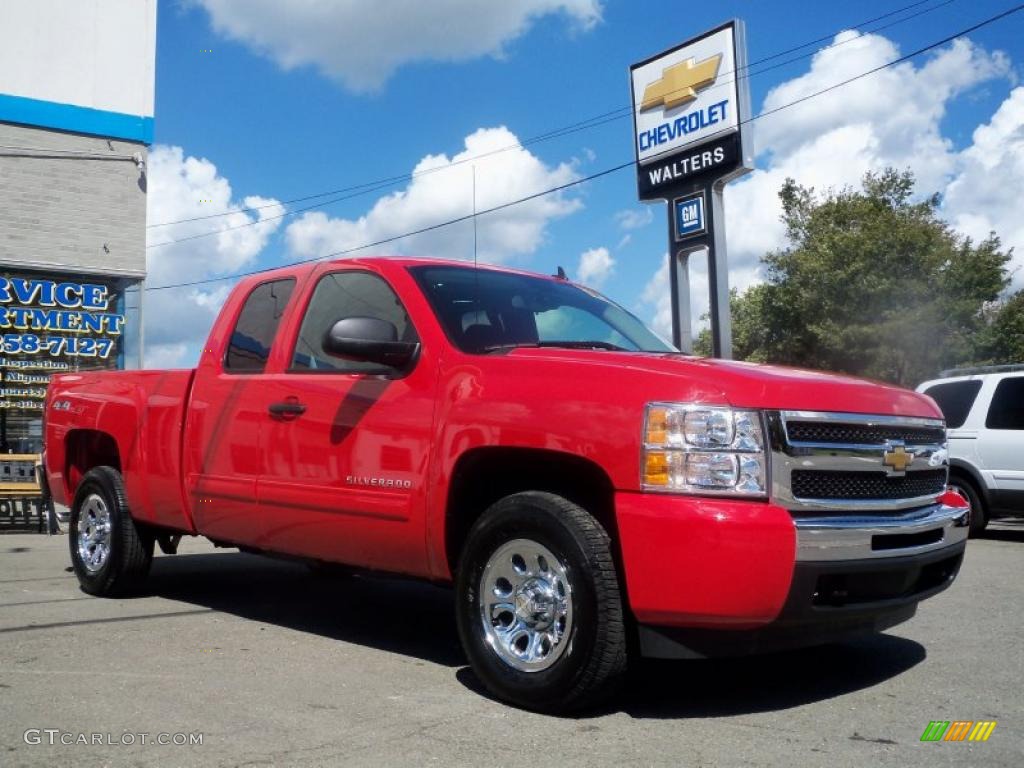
{"points": [[891, 118], [658, 298], [596, 266], [635, 218], [442, 189], [362, 44], [179, 187], [985, 194]]}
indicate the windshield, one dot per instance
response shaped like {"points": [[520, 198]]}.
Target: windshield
{"points": [[484, 311]]}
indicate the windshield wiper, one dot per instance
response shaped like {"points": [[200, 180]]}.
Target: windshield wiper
{"points": [[564, 344], [507, 347], [583, 345]]}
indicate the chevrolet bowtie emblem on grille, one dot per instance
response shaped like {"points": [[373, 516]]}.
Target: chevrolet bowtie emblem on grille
{"points": [[897, 459], [679, 83]]}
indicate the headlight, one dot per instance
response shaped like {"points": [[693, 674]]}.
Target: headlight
{"points": [[703, 449]]}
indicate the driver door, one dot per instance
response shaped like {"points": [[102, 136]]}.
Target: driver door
{"points": [[345, 442]]}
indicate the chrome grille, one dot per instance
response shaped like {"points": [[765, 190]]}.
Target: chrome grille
{"points": [[811, 484], [836, 462], [819, 432]]}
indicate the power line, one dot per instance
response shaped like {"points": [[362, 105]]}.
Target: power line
{"points": [[605, 172], [591, 122]]}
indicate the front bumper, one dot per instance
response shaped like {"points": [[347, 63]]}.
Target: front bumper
{"points": [[697, 570], [827, 602], [869, 537]]}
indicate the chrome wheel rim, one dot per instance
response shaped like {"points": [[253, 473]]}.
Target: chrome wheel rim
{"points": [[526, 605], [94, 533]]}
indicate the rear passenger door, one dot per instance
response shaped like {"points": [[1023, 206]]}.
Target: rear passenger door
{"points": [[1001, 444], [346, 452], [222, 459]]}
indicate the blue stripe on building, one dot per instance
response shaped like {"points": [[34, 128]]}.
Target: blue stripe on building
{"points": [[69, 117]]}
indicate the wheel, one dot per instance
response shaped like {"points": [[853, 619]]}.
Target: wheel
{"points": [[110, 554], [538, 604], [976, 516]]}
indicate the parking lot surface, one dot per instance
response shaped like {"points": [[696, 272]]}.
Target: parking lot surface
{"points": [[273, 666]]}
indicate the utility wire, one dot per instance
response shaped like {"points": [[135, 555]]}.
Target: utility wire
{"points": [[591, 122], [599, 174]]}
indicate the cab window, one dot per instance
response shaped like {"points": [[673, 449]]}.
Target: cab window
{"points": [[339, 295], [253, 336]]}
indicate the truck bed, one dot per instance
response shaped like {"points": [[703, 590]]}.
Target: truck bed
{"points": [[136, 419]]}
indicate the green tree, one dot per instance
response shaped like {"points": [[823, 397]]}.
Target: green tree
{"points": [[1003, 340], [872, 283]]}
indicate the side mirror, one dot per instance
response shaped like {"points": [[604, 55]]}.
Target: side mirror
{"points": [[370, 340]]}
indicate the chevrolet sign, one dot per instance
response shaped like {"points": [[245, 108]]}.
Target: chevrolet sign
{"points": [[688, 99]]}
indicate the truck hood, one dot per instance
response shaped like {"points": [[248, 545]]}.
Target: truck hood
{"points": [[745, 385]]}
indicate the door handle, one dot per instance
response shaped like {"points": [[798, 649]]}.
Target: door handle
{"points": [[287, 409]]}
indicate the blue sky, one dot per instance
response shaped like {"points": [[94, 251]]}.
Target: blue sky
{"points": [[289, 103]]}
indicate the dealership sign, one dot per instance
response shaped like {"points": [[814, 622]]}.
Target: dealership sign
{"points": [[689, 106]]}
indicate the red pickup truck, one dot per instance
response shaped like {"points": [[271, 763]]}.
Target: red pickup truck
{"points": [[591, 492]]}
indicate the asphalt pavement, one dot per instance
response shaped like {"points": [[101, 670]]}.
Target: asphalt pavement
{"points": [[270, 666]]}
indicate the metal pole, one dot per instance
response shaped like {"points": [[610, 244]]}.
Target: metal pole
{"points": [[685, 343], [679, 284], [678, 296], [142, 297], [718, 276]]}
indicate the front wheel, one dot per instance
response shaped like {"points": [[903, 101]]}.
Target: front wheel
{"points": [[539, 607], [976, 516], [111, 555]]}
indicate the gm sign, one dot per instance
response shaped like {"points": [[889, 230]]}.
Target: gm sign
{"points": [[689, 215]]}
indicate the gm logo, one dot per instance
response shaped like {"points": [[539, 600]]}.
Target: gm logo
{"points": [[689, 215], [958, 730]]}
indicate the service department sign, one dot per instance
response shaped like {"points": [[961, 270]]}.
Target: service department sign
{"points": [[689, 105], [52, 326]]}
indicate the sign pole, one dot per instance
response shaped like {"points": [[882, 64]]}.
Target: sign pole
{"points": [[679, 284], [718, 276]]}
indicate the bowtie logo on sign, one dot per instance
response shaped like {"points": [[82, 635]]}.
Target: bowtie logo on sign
{"points": [[679, 83]]}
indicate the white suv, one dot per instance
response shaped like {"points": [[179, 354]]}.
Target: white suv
{"points": [[984, 410]]}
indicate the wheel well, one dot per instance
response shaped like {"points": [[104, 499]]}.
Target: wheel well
{"points": [[484, 475], [85, 449], [967, 475]]}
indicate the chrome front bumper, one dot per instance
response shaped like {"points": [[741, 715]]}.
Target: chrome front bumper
{"points": [[859, 537]]}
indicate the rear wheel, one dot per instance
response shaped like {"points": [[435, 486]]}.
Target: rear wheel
{"points": [[110, 553], [977, 517], [539, 608]]}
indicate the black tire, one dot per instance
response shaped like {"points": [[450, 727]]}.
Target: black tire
{"points": [[594, 658], [130, 546], [978, 517]]}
